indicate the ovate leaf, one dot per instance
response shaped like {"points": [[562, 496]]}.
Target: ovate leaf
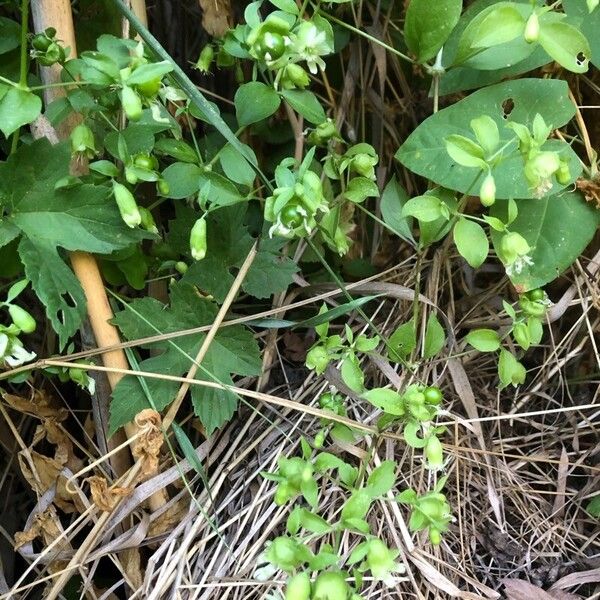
{"points": [[18, 108], [305, 103], [428, 26], [254, 102], [566, 45], [471, 241], [548, 225]]}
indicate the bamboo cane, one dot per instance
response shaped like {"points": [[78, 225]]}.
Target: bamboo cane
{"points": [[57, 14]]}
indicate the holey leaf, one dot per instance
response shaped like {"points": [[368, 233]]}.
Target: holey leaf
{"points": [[557, 228], [233, 351], [425, 152], [83, 217]]}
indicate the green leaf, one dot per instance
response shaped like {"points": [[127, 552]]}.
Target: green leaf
{"points": [[18, 108], [424, 152], [288, 6], [55, 285], [402, 342], [424, 208], [149, 71], [387, 400], [593, 506], [566, 45], [428, 26], [9, 35], [548, 225], [588, 24], [305, 103], [498, 24], [219, 190], [228, 246], [361, 188], [502, 24], [486, 132], [382, 479], [233, 351], [83, 217], [464, 151], [393, 199], [471, 241], [189, 452], [236, 167], [435, 337], [510, 370], [183, 179], [484, 340], [357, 506], [254, 102], [352, 375], [334, 313]]}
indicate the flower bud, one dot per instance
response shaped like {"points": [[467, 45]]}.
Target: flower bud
{"points": [[131, 176], [82, 141], [317, 359], [198, 241], [205, 59], [295, 76], [434, 453], [22, 319], [563, 175], [512, 246], [163, 187], [320, 438], [532, 29], [181, 267], [487, 193], [148, 222], [434, 536], [298, 587], [132, 104], [127, 205]]}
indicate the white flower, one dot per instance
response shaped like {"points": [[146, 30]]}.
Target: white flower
{"points": [[518, 265], [311, 43], [18, 355]]}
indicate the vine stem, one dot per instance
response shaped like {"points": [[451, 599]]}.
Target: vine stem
{"points": [[23, 63]]}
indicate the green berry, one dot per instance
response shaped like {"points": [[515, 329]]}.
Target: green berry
{"points": [[298, 587], [433, 395], [22, 319], [330, 586]]}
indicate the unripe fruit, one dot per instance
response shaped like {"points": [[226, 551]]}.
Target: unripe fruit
{"points": [[433, 395], [298, 587], [533, 309], [82, 140], [181, 267], [296, 75], [487, 193], [41, 42], [198, 241], [271, 46], [536, 295], [143, 161], [132, 104], [317, 359], [514, 245], [22, 319], [330, 586], [163, 187], [291, 216], [130, 176], [532, 29], [148, 222], [521, 335]]}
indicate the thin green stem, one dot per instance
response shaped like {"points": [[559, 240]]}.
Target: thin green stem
{"points": [[367, 36], [8, 82], [23, 64]]}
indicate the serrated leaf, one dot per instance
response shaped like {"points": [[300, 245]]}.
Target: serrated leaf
{"points": [[83, 217], [233, 351], [428, 26]]}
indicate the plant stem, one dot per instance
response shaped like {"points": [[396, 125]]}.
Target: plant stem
{"points": [[23, 64]]}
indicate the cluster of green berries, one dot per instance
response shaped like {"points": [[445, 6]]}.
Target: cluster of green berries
{"points": [[46, 49]]}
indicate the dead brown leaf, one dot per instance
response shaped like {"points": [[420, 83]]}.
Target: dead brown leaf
{"points": [[39, 405], [216, 16], [104, 497], [147, 447], [517, 589]]}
